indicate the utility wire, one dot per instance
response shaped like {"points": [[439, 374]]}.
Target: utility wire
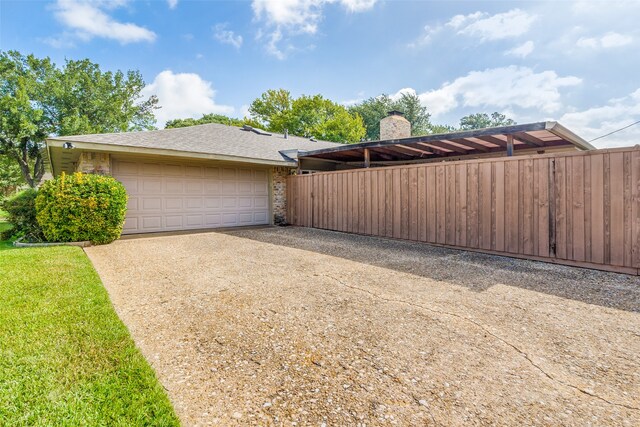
{"points": [[617, 130]]}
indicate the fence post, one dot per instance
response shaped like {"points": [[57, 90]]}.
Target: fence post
{"points": [[552, 208]]}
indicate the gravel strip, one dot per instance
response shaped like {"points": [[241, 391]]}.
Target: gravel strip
{"points": [[287, 325]]}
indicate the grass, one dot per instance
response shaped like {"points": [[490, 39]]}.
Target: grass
{"points": [[65, 356]]}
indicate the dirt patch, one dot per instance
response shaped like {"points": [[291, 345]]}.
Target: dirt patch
{"points": [[243, 331]]}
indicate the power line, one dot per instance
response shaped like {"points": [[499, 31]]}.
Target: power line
{"points": [[617, 130]]}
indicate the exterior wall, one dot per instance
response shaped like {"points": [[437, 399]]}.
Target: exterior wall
{"points": [[279, 194], [394, 127], [98, 163]]}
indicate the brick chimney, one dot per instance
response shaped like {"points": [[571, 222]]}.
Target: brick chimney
{"points": [[394, 126]]}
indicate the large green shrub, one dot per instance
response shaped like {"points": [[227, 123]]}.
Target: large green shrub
{"points": [[21, 214], [82, 207]]}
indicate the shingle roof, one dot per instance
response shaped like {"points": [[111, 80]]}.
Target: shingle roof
{"points": [[207, 139]]}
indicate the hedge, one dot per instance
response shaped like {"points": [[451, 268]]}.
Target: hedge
{"points": [[81, 207], [21, 214]]}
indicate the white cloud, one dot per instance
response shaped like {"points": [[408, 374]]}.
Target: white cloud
{"points": [[596, 121], [405, 90], [523, 50], [183, 95], [172, 3], [86, 20], [481, 25], [503, 87], [493, 27], [296, 17], [223, 35], [606, 41]]}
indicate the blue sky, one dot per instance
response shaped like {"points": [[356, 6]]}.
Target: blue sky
{"points": [[572, 61]]}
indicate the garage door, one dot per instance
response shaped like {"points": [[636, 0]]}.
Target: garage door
{"points": [[182, 196]]}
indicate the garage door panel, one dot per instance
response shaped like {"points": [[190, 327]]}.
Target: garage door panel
{"points": [[173, 185], [212, 220], [193, 171], [193, 187], [245, 175], [260, 202], [245, 218], [261, 217], [194, 220], [229, 202], [132, 204], [172, 170], [152, 223], [173, 203], [212, 202], [245, 202], [261, 188], [151, 186], [151, 169], [193, 203], [175, 196], [245, 187], [173, 221], [229, 173], [210, 172], [212, 188], [229, 188], [130, 224], [129, 168], [151, 204], [229, 219], [130, 183]]}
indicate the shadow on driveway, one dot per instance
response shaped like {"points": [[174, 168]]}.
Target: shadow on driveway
{"points": [[473, 270]]}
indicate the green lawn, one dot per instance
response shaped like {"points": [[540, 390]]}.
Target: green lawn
{"points": [[65, 356]]}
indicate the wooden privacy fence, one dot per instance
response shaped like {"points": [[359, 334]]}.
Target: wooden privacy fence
{"points": [[578, 208]]}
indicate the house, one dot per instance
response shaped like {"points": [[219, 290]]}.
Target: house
{"points": [[213, 175], [203, 176]]}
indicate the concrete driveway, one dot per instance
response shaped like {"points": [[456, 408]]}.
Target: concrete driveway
{"points": [[286, 326]]}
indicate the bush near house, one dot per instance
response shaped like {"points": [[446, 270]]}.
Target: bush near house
{"points": [[81, 207], [21, 214]]}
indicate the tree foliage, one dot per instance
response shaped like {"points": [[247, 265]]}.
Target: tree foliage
{"points": [[211, 118], [10, 176], [38, 99], [483, 120], [376, 108], [307, 116]]}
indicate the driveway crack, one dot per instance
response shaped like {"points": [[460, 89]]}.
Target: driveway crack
{"points": [[497, 337]]}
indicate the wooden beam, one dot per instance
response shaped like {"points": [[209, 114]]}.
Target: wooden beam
{"points": [[471, 144], [528, 139], [493, 140], [434, 149], [509, 145], [417, 150], [448, 146], [367, 158]]}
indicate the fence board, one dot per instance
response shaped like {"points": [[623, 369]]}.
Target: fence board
{"points": [[576, 208]]}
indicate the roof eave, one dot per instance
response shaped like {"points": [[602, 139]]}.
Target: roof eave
{"points": [[564, 133], [113, 148]]}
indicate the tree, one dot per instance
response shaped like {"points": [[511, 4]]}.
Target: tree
{"points": [[483, 120], [307, 116], [37, 99], [376, 108], [211, 118], [10, 176]]}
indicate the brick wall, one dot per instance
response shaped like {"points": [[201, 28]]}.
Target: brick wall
{"points": [[279, 194], [98, 163]]}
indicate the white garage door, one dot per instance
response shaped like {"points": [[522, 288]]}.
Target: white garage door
{"points": [[182, 196]]}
